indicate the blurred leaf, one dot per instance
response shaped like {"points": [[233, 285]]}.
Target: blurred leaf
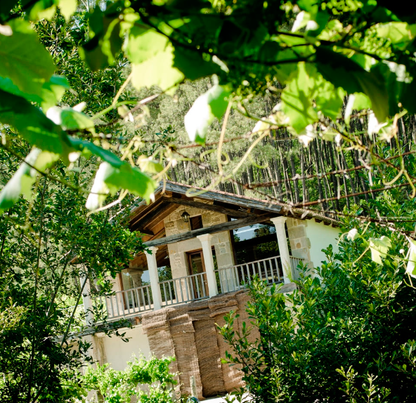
{"points": [[25, 176], [53, 91], [400, 34], [74, 120], [193, 65], [31, 123], [148, 165], [24, 60], [157, 70], [379, 248], [108, 180], [41, 9], [67, 7], [101, 50], [411, 265], [205, 109], [297, 97], [343, 72]]}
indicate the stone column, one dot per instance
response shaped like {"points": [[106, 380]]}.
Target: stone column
{"points": [[209, 263], [279, 223], [154, 277], [86, 297]]}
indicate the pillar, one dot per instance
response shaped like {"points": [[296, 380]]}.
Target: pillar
{"points": [[279, 223], [154, 277], [86, 298], [209, 263]]}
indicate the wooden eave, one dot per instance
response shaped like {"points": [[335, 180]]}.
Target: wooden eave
{"points": [[147, 218]]}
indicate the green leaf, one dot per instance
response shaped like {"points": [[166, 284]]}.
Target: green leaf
{"points": [[357, 102], [74, 120], [87, 148], [298, 95], [101, 50], [148, 165], [32, 124], [158, 70], [42, 9], [24, 60], [400, 34], [379, 248], [411, 265], [193, 65], [205, 109], [343, 72], [329, 100], [108, 180], [143, 44], [53, 91], [67, 7], [25, 176]]}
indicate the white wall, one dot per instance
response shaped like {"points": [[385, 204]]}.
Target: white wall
{"points": [[320, 237], [117, 352]]}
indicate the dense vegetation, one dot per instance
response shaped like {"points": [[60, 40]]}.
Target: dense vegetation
{"points": [[101, 98], [346, 334]]}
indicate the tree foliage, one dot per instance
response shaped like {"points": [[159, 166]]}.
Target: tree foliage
{"points": [[311, 54], [345, 334]]}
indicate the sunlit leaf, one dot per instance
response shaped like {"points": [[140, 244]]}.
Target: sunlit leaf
{"points": [[22, 181], [411, 265], [297, 97], [31, 123], [53, 91], [379, 248], [24, 60], [400, 34], [108, 180], [157, 70], [205, 109], [67, 7], [345, 73]]}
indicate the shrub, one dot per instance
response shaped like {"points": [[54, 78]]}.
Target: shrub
{"points": [[148, 380], [346, 334]]}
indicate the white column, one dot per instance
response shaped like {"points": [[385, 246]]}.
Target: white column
{"points": [[209, 263], [154, 277], [86, 298], [279, 223]]}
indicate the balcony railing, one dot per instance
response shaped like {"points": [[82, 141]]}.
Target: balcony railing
{"points": [[184, 289], [127, 302], [192, 288]]}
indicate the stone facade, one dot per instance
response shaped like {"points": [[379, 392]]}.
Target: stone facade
{"points": [[174, 225], [189, 332], [300, 244]]}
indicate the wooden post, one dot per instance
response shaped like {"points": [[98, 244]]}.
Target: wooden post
{"points": [[154, 277], [209, 263], [279, 223]]}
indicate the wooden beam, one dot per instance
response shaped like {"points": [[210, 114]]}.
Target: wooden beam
{"points": [[211, 207], [228, 198], [227, 226], [159, 213]]}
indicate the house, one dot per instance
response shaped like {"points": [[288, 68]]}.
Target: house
{"points": [[203, 247]]}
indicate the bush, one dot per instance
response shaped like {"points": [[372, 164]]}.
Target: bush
{"points": [[346, 334], [148, 380]]}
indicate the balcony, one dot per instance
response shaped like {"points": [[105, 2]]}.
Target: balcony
{"points": [[133, 302]]}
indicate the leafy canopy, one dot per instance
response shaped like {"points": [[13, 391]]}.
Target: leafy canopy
{"points": [[312, 52]]}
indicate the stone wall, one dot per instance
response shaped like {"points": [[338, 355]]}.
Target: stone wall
{"points": [[189, 332], [174, 224]]}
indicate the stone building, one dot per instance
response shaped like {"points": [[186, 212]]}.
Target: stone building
{"points": [[202, 250]]}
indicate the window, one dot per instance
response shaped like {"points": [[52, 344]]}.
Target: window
{"points": [[196, 222], [254, 242]]}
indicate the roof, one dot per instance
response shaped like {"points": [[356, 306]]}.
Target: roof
{"points": [[148, 218]]}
